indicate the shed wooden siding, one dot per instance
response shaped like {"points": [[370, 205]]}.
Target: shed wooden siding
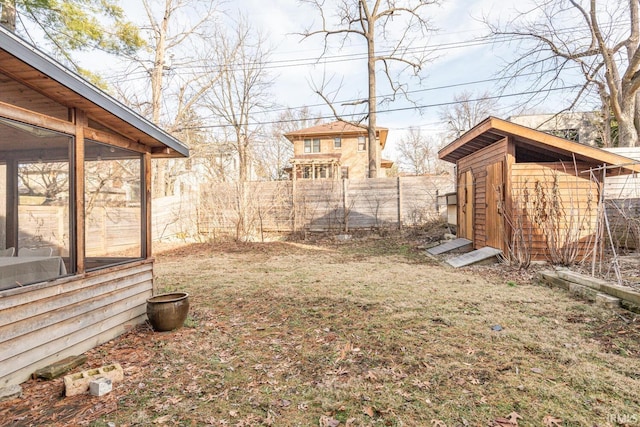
{"points": [[577, 196], [42, 323], [477, 163]]}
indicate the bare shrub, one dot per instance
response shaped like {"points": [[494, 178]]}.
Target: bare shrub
{"points": [[520, 239]]}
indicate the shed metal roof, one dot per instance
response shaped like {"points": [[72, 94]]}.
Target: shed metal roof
{"points": [[19, 60]]}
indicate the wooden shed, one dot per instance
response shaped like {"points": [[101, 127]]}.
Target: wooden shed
{"points": [[524, 190], [75, 212]]}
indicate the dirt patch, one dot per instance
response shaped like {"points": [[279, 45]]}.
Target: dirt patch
{"points": [[368, 331]]}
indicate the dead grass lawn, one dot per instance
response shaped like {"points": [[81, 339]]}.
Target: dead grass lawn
{"points": [[370, 332]]}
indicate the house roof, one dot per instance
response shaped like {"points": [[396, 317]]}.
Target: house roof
{"points": [[337, 128], [531, 145], [42, 73]]}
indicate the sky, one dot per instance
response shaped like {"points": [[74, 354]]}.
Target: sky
{"points": [[461, 61], [460, 58]]}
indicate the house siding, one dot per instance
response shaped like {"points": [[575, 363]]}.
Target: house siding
{"points": [[355, 160], [43, 323]]}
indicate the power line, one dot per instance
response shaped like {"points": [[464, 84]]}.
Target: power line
{"points": [[357, 56], [390, 110], [429, 89]]}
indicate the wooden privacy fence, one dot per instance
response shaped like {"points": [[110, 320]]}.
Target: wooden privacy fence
{"points": [[227, 209], [622, 203], [321, 205]]}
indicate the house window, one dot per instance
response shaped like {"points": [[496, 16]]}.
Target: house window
{"points": [[362, 143], [337, 142], [323, 171], [113, 205], [306, 172], [41, 186], [311, 145]]}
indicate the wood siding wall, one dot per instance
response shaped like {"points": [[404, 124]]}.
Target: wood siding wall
{"points": [[477, 163], [46, 322], [576, 199]]}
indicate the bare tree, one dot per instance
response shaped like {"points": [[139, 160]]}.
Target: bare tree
{"points": [[601, 40], [180, 36], [398, 25], [467, 111], [241, 91], [417, 152], [48, 179]]}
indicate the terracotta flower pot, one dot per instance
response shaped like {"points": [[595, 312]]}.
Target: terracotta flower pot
{"points": [[167, 312]]}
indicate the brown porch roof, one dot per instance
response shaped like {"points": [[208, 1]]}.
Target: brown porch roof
{"points": [[532, 144], [43, 74]]}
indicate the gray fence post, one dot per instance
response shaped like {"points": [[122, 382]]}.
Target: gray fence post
{"points": [[399, 204]]}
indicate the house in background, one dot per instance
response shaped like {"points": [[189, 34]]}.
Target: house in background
{"points": [[334, 150], [75, 181], [582, 127]]}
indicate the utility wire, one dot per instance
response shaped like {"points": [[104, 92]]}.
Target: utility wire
{"points": [[390, 110]]}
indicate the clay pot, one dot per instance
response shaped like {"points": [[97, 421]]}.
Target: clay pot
{"points": [[167, 312]]}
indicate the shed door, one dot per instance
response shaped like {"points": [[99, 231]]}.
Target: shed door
{"points": [[465, 196], [495, 206]]}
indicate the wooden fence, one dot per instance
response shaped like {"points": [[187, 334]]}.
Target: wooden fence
{"points": [[223, 209], [321, 205], [622, 202]]}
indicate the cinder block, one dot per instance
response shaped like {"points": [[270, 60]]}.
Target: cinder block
{"points": [[79, 383], [10, 392], [100, 386]]}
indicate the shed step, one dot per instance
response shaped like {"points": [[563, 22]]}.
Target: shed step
{"points": [[474, 257], [456, 244]]}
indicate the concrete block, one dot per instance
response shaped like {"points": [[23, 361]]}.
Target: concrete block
{"points": [[79, 383], [607, 300], [551, 278], [583, 291], [10, 392], [100, 386], [60, 367], [622, 292], [581, 279]]}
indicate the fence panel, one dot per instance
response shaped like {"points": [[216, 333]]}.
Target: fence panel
{"points": [[321, 205], [622, 202]]}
